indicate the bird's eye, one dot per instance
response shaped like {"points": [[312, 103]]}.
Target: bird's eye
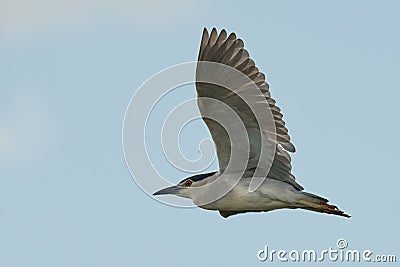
{"points": [[188, 183]]}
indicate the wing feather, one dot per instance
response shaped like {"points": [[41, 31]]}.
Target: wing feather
{"points": [[229, 50]]}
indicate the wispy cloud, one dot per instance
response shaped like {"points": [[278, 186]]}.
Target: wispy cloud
{"points": [[26, 124], [23, 17]]}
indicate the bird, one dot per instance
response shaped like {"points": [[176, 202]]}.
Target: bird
{"points": [[278, 188]]}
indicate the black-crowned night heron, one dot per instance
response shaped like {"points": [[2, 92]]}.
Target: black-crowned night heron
{"points": [[278, 188]]}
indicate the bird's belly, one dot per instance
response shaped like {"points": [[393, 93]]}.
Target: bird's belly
{"points": [[245, 204], [271, 195]]}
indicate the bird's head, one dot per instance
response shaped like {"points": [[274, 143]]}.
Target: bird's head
{"points": [[182, 189]]}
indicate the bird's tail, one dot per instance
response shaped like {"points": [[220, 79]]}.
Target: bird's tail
{"points": [[316, 203]]}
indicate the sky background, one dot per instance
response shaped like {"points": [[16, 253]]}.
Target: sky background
{"points": [[68, 71]]}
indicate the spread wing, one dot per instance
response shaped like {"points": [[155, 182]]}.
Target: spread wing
{"points": [[229, 50]]}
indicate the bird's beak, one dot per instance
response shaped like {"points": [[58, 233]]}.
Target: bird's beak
{"points": [[172, 190]]}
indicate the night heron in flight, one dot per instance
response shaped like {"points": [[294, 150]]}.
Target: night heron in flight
{"points": [[278, 189]]}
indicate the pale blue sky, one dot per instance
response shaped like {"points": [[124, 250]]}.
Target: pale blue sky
{"points": [[69, 69]]}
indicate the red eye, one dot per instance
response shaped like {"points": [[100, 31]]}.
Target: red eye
{"points": [[188, 183]]}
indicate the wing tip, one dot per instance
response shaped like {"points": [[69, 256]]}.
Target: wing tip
{"points": [[289, 147]]}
